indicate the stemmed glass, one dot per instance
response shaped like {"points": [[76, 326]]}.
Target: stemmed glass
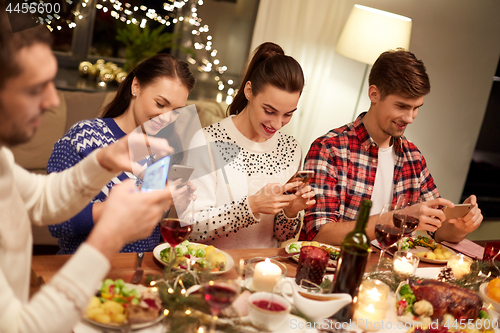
{"points": [[174, 231], [219, 295], [386, 234], [402, 219]]}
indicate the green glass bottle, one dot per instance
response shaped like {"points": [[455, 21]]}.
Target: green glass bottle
{"points": [[352, 261]]}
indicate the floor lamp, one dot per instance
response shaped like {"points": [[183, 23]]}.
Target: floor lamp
{"points": [[368, 32]]}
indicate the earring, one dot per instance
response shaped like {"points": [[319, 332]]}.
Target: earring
{"points": [[133, 94]]}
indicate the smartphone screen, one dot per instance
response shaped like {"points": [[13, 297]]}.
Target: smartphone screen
{"points": [[155, 176]]}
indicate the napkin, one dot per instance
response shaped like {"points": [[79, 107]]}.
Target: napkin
{"points": [[83, 327], [467, 247]]}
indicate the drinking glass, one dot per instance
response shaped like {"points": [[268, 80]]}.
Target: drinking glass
{"points": [[219, 295], [403, 219], [386, 234], [312, 265], [174, 231]]}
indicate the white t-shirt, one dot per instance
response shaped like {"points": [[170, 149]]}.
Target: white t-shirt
{"points": [[384, 179]]}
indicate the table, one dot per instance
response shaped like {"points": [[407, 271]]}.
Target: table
{"points": [[123, 264]]}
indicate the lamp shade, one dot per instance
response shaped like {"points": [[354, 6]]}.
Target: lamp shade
{"points": [[368, 32]]}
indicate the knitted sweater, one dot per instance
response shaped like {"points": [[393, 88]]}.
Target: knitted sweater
{"points": [[27, 199], [234, 168], [81, 139]]}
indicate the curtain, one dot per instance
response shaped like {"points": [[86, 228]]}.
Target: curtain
{"points": [[308, 30]]}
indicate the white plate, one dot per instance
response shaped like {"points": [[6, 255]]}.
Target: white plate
{"points": [[431, 261], [140, 288], [330, 261], [428, 272], [486, 299], [229, 260]]}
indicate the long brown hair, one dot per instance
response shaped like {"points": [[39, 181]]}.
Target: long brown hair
{"points": [[269, 65], [151, 69]]}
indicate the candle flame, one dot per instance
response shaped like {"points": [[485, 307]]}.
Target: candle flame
{"points": [[370, 308]]}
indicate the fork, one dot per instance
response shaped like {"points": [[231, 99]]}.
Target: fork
{"points": [[138, 270]]}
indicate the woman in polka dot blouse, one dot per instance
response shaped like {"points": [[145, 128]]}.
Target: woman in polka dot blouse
{"points": [[149, 96], [240, 184]]}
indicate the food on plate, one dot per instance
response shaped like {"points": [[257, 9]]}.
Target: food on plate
{"points": [[117, 304], [412, 242], [439, 253], [493, 289], [203, 256], [295, 248], [441, 300]]}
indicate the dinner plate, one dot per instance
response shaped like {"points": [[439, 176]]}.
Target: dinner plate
{"points": [[292, 324], [331, 263], [431, 261], [229, 260], [134, 327]]}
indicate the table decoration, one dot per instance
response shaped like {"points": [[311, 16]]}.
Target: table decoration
{"points": [[264, 274], [405, 263], [312, 265], [371, 304], [460, 264]]}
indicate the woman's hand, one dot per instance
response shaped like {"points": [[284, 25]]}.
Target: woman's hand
{"points": [[302, 199], [181, 196], [270, 199]]}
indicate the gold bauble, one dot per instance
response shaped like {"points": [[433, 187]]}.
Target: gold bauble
{"points": [[118, 70], [100, 61], [93, 70], [106, 75], [120, 76], [84, 67]]}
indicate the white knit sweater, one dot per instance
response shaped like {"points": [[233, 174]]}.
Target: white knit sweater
{"points": [[27, 199]]}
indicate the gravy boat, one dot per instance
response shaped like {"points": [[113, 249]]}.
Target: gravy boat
{"points": [[315, 306]]}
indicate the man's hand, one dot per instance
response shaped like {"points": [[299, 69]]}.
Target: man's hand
{"points": [[124, 154], [429, 214], [472, 220]]}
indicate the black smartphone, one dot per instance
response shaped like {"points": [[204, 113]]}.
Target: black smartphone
{"points": [[155, 175], [304, 176]]}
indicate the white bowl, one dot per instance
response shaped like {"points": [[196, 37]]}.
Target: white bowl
{"points": [[271, 320], [486, 299]]}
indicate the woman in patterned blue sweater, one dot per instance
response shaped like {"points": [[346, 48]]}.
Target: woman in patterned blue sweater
{"points": [[149, 97]]}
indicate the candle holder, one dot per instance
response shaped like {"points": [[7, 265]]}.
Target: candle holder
{"points": [[460, 265], [371, 305], [312, 266], [264, 274], [405, 263]]}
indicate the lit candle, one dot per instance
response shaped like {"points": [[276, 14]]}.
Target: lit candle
{"points": [[369, 317], [460, 265], [403, 266], [405, 262], [374, 292], [266, 275]]}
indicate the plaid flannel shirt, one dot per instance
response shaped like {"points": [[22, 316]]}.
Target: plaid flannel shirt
{"points": [[345, 163]]}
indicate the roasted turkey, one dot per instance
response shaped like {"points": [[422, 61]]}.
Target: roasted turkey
{"points": [[446, 298]]}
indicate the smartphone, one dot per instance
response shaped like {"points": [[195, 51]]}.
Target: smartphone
{"points": [[180, 171], [155, 175], [304, 175], [459, 211]]}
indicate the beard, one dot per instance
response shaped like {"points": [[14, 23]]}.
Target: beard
{"points": [[12, 133]]}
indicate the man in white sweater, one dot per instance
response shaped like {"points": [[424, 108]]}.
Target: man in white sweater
{"points": [[26, 90]]}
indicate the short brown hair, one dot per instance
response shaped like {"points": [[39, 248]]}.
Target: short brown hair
{"points": [[399, 72], [269, 65], [11, 43]]}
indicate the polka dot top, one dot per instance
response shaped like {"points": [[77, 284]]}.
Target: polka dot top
{"points": [[228, 168], [81, 139]]}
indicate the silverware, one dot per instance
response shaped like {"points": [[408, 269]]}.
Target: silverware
{"points": [[138, 270]]}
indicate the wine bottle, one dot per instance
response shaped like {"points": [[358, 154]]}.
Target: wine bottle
{"points": [[352, 261]]}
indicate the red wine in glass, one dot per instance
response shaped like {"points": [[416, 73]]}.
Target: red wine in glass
{"points": [[387, 235], [405, 222], [175, 231], [219, 295]]}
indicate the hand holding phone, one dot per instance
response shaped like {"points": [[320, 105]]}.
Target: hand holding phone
{"points": [[155, 176], [182, 172], [457, 212], [304, 176]]}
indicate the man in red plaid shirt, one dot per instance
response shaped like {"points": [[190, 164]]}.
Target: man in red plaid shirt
{"points": [[370, 158]]}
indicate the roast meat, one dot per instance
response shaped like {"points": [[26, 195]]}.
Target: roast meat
{"points": [[446, 298]]}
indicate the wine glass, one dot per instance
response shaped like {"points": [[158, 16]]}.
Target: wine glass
{"points": [[174, 231], [403, 219], [386, 233], [218, 295]]}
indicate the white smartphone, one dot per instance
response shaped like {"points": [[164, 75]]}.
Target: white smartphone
{"points": [[155, 175], [304, 175], [180, 171], [457, 212]]}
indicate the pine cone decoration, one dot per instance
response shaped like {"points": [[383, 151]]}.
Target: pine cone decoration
{"points": [[446, 275]]}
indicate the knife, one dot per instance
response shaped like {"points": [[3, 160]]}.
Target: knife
{"points": [[138, 270], [284, 256]]}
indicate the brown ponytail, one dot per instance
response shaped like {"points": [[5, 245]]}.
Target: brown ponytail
{"points": [[269, 65]]}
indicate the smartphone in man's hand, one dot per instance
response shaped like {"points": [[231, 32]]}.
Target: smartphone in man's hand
{"points": [[155, 175]]}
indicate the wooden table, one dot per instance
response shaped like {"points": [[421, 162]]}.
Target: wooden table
{"points": [[123, 264]]}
